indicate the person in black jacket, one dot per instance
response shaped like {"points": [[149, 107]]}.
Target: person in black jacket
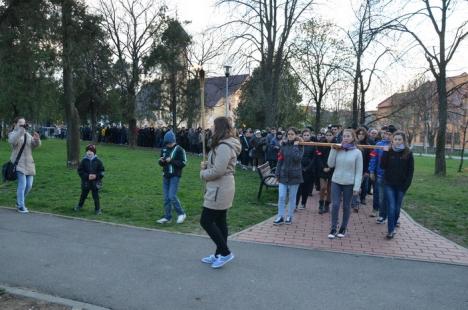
{"points": [[362, 137], [173, 159], [398, 163], [289, 175], [325, 173], [308, 171], [91, 171]]}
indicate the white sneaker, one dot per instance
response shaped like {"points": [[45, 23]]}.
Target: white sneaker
{"points": [[181, 218], [163, 221]]}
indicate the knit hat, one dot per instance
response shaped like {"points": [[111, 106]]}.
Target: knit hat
{"points": [[91, 147], [169, 138]]}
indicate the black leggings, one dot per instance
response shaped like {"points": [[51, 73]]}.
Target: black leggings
{"points": [[84, 194], [215, 225], [305, 189]]}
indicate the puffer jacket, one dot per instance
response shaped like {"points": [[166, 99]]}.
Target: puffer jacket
{"points": [[219, 175], [289, 168], [26, 163]]}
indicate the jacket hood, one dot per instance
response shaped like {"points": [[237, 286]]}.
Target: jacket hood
{"points": [[234, 143]]}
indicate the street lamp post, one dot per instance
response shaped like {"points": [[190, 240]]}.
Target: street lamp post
{"points": [[226, 102]]}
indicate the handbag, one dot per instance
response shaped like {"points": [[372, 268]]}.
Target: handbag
{"points": [[9, 168]]}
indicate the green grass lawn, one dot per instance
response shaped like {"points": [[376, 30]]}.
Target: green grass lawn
{"points": [[132, 192], [440, 204]]}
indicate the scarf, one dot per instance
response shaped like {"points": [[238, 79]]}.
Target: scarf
{"points": [[348, 146], [398, 148]]}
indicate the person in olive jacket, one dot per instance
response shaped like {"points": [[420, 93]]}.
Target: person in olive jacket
{"points": [[398, 163], [218, 173], [289, 175], [91, 171]]}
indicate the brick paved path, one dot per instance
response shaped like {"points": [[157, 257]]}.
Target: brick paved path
{"points": [[310, 229]]}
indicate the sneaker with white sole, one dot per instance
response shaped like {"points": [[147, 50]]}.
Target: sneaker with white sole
{"points": [[381, 220], [209, 259], [222, 260], [342, 232], [332, 234], [301, 207], [23, 210], [288, 220], [278, 221], [181, 218], [163, 221]]}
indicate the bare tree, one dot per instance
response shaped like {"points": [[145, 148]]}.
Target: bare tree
{"points": [[265, 27], [438, 57], [368, 27], [133, 25], [319, 58]]}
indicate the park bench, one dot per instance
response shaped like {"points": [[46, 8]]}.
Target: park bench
{"points": [[267, 178]]}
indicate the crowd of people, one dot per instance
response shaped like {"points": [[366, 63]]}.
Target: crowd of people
{"points": [[344, 171]]}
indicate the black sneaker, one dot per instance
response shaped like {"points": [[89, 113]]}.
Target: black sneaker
{"points": [[391, 235], [342, 232], [279, 221], [332, 234], [288, 220], [77, 208]]}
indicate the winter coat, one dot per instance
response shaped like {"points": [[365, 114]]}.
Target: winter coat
{"points": [[26, 163], [258, 147], [219, 175], [322, 153], [91, 166], [272, 150], [398, 169], [289, 168], [375, 157], [308, 162], [177, 163], [348, 167]]}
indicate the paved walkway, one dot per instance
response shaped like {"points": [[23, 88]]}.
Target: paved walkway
{"points": [[310, 230], [128, 268]]}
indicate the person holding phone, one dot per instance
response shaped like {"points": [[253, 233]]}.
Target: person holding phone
{"points": [[26, 169]]}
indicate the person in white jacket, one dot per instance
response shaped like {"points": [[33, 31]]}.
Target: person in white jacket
{"points": [[346, 179]]}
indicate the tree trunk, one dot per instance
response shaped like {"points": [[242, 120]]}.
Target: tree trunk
{"points": [[440, 167], [72, 116], [460, 167], [355, 93], [174, 100], [318, 115]]}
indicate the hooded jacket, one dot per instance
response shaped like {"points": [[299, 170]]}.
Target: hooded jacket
{"points": [[219, 175], [178, 161]]}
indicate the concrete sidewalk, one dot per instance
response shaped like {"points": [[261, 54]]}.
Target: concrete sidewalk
{"points": [[121, 267]]}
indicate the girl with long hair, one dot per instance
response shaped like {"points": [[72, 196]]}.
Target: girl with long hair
{"points": [[218, 172], [346, 179], [398, 163]]}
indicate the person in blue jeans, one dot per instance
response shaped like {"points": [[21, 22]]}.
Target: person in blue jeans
{"points": [[376, 174], [398, 163], [26, 169], [173, 159], [289, 175]]}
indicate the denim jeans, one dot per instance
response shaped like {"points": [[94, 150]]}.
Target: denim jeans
{"points": [[282, 192], [361, 197], [394, 197], [170, 187], [380, 203], [25, 183], [336, 191]]}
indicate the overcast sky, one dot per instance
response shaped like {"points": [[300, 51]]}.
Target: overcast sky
{"points": [[203, 14]]}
